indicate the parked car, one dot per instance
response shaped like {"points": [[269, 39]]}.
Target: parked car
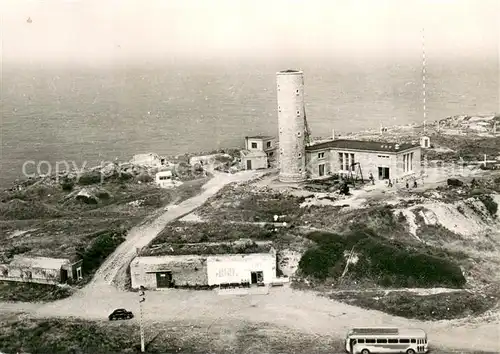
{"points": [[120, 314]]}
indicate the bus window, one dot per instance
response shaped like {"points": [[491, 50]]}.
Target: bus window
{"points": [[361, 340], [381, 340], [413, 341], [392, 341], [404, 341], [370, 341]]}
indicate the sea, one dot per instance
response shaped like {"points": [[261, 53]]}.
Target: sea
{"points": [[86, 114]]}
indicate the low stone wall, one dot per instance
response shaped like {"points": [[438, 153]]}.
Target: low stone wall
{"points": [[25, 280]]}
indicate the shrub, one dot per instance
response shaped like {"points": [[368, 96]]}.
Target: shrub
{"points": [[102, 194], [490, 204], [11, 252], [316, 262], [153, 201], [389, 263], [125, 176], [67, 185], [89, 178], [100, 248], [453, 182]]}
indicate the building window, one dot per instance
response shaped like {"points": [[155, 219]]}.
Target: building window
{"points": [[268, 144], [345, 161], [321, 155], [254, 145], [408, 162]]}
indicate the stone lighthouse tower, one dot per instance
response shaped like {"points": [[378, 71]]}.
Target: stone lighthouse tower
{"points": [[291, 123]]}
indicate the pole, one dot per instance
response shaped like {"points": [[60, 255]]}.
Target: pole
{"points": [[423, 78], [141, 326]]}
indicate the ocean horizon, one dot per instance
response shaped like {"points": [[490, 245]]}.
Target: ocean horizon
{"points": [[90, 114]]}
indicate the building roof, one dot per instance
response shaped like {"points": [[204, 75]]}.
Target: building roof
{"points": [[39, 262], [263, 137], [289, 71], [164, 173], [252, 153], [242, 246], [386, 331], [347, 144]]}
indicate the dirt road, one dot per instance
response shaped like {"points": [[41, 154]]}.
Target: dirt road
{"points": [[283, 307], [113, 270]]}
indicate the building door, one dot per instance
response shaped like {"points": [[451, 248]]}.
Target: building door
{"points": [[164, 280], [257, 277], [79, 273], [64, 275], [383, 173], [249, 164], [321, 170]]}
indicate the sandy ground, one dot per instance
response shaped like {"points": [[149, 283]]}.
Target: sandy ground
{"points": [[298, 310]]}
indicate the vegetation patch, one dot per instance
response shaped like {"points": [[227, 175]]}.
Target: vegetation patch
{"points": [[181, 238], [378, 218], [32, 292], [490, 204], [58, 238], [442, 306], [82, 337], [187, 232], [17, 209], [468, 149], [101, 247], [243, 204], [386, 262]]}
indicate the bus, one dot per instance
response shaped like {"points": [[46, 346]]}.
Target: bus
{"points": [[382, 340]]}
